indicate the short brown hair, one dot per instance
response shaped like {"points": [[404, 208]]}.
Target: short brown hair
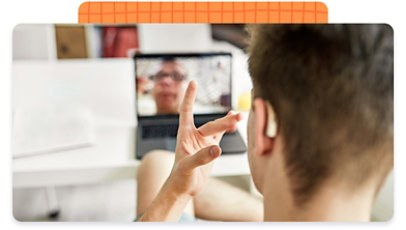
{"points": [[331, 87]]}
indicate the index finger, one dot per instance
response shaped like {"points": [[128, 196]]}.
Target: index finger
{"points": [[186, 108], [221, 125]]}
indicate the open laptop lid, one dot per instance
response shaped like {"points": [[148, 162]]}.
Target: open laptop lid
{"points": [[161, 80]]}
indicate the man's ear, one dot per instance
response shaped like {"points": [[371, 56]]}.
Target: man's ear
{"points": [[265, 127]]}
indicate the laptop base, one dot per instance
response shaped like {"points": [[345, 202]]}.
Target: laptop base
{"points": [[231, 143]]}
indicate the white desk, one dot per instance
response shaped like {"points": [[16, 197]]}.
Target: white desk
{"points": [[106, 87], [111, 158]]}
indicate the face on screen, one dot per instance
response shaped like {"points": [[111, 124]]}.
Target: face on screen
{"points": [[161, 83]]}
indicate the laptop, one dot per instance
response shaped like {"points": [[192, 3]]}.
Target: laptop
{"points": [[161, 81]]}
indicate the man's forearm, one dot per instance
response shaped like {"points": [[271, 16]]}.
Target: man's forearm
{"points": [[167, 205]]}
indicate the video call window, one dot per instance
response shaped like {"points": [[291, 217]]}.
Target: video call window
{"points": [[161, 81]]}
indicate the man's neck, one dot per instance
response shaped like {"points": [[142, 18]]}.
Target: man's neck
{"points": [[329, 204]]}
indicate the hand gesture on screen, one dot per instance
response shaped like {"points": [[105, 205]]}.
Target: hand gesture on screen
{"points": [[197, 148]]}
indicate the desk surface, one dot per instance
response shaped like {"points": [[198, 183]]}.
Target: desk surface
{"points": [[110, 158]]}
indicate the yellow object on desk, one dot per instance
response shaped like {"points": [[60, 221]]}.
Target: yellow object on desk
{"points": [[244, 101]]}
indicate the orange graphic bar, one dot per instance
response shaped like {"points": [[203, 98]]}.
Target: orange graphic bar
{"points": [[203, 12]]}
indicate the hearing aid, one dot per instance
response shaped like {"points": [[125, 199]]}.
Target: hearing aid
{"points": [[272, 125]]}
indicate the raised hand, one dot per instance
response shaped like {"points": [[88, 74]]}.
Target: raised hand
{"points": [[195, 151], [197, 148]]}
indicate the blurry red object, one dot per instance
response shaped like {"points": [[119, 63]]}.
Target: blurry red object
{"points": [[118, 40]]}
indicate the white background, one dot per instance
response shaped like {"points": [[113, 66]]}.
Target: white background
{"points": [[13, 12]]}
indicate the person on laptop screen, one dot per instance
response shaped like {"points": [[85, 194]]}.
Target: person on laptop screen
{"points": [[169, 87], [162, 80]]}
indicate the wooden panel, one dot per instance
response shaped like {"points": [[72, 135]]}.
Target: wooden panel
{"points": [[71, 42]]}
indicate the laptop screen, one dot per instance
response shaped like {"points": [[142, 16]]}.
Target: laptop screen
{"points": [[161, 81]]}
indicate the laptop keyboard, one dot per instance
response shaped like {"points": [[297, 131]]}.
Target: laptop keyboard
{"points": [[159, 131]]}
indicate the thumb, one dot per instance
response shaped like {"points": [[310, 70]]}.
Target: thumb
{"points": [[203, 157]]}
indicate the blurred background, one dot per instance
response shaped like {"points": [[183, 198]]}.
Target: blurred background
{"points": [[79, 78], [69, 41]]}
